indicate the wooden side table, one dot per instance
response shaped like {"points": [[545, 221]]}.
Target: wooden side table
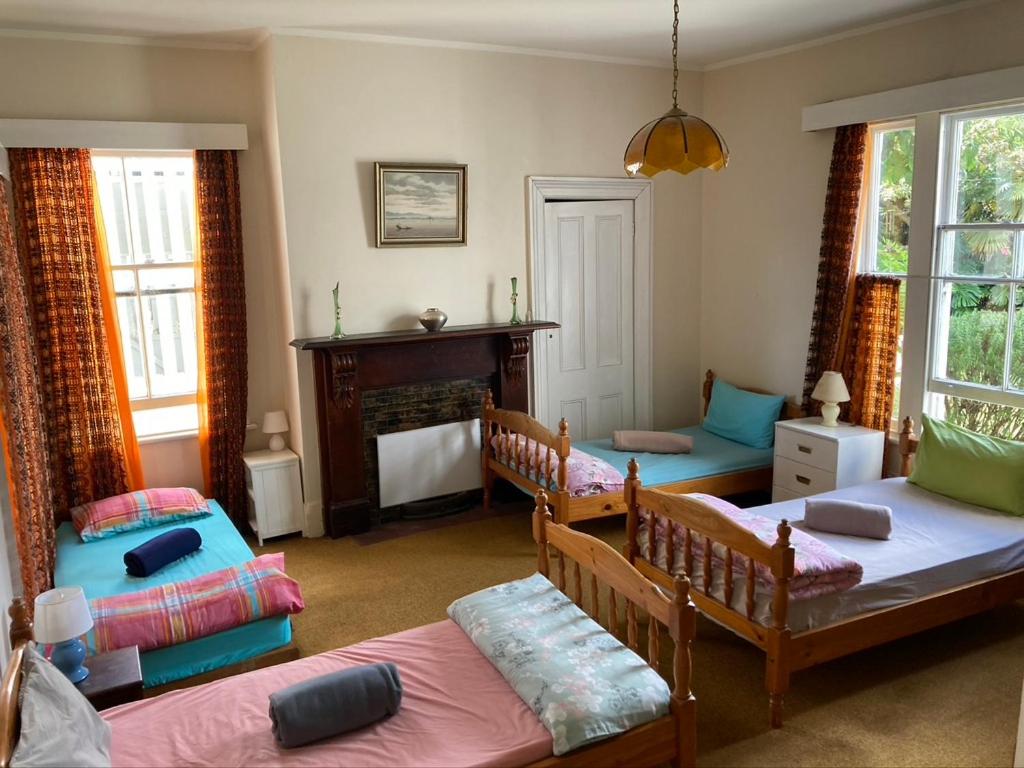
{"points": [[114, 678]]}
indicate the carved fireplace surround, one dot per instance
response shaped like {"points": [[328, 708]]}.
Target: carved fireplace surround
{"points": [[344, 368]]}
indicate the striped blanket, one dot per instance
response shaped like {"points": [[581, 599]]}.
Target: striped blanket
{"points": [[187, 610]]}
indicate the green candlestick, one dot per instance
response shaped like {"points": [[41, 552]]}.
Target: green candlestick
{"points": [[515, 310], [338, 333]]}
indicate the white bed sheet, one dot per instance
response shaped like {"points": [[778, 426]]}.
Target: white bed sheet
{"points": [[937, 543]]}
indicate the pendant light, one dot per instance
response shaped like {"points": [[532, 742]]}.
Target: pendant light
{"points": [[676, 141]]}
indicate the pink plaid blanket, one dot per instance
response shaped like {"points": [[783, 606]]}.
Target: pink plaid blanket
{"points": [[818, 569], [187, 610]]}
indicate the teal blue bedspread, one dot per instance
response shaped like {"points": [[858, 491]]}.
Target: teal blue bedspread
{"points": [[98, 567], [711, 455]]}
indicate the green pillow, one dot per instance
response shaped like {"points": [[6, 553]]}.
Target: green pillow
{"points": [[969, 467]]}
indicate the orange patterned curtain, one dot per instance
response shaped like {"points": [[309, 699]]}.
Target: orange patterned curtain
{"points": [[869, 360], [92, 448], [837, 262], [22, 427], [220, 282]]}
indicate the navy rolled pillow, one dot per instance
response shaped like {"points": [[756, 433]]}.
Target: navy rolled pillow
{"points": [[150, 556]]}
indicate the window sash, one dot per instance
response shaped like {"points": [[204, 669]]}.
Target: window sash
{"points": [[868, 261], [943, 274], [176, 218]]}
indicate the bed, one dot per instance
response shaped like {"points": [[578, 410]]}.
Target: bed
{"points": [[98, 567], [716, 465], [457, 709], [946, 560]]}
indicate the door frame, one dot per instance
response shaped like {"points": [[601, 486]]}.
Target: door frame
{"points": [[546, 189]]}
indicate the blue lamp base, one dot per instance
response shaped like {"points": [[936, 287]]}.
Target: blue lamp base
{"points": [[68, 657]]}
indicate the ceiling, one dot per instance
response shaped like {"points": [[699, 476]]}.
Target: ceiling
{"points": [[711, 31]]}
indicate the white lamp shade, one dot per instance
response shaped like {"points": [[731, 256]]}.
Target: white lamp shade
{"points": [[831, 388], [61, 614], [275, 422]]}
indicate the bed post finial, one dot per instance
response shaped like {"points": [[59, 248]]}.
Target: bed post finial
{"points": [[709, 383], [631, 550], [563, 427], [488, 401], [21, 624], [541, 516], [784, 530], [908, 446]]}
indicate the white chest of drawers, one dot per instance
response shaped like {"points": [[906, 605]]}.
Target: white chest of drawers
{"points": [[810, 458], [275, 493]]}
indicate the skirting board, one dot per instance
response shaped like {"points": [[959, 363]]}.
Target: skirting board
{"points": [[314, 527]]}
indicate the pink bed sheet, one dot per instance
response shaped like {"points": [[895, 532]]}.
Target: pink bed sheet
{"points": [[457, 710]]}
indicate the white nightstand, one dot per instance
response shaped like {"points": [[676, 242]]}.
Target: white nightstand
{"points": [[275, 493], [810, 458]]}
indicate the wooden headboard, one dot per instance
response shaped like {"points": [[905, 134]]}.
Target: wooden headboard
{"points": [[789, 410], [10, 720]]}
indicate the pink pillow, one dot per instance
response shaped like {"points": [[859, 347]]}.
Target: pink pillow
{"points": [[138, 509]]}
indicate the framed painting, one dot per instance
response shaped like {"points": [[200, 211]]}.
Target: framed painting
{"points": [[420, 204]]}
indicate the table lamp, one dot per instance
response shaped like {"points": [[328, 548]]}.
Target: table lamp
{"points": [[274, 423], [831, 390], [61, 618]]}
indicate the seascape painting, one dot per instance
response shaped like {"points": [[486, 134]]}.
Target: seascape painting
{"points": [[420, 205]]}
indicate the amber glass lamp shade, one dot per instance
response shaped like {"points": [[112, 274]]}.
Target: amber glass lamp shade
{"points": [[676, 141]]}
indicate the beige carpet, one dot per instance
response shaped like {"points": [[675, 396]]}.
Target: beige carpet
{"points": [[946, 697]]}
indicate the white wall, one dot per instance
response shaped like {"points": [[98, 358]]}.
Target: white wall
{"points": [[77, 80], [341, 105], [763, 215]]}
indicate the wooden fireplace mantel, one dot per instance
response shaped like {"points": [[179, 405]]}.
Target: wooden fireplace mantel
{"points": [[344, 368]]}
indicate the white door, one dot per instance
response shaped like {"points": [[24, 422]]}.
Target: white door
{"points": [[589, 286]]}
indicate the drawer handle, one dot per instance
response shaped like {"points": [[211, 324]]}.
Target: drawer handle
{"points": [[803, 480], [804, 448]]}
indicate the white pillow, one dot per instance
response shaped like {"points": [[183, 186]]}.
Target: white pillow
{"points": [[59, 727]]}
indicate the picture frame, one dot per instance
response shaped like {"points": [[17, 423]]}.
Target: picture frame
{"points": [[420, 204]]}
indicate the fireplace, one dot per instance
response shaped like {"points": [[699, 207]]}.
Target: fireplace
{"points": [[359, 378]]}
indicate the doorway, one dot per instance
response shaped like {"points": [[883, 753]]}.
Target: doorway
{"points": [[590, 271]]}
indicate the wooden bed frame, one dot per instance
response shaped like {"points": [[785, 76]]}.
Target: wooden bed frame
{"points": [[280, 655], [548, 472], [786, 651], [671, 739]]}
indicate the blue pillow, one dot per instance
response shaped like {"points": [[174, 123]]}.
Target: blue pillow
{"points": [[743, 417]]}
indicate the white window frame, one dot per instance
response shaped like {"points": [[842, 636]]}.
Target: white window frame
{"points": [[149, 402], [867, 263], [932, 163], [938, 387]]}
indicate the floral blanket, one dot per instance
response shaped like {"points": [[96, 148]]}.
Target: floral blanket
{"points": [[186, 610], [581, 682], [818, 568], [587, 475]]}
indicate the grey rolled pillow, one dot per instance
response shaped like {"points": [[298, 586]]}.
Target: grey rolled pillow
{"points": [[59, 727]]}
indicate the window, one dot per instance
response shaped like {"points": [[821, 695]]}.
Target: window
{"points": [[976, 368], [148, 207], [885, 225]]}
